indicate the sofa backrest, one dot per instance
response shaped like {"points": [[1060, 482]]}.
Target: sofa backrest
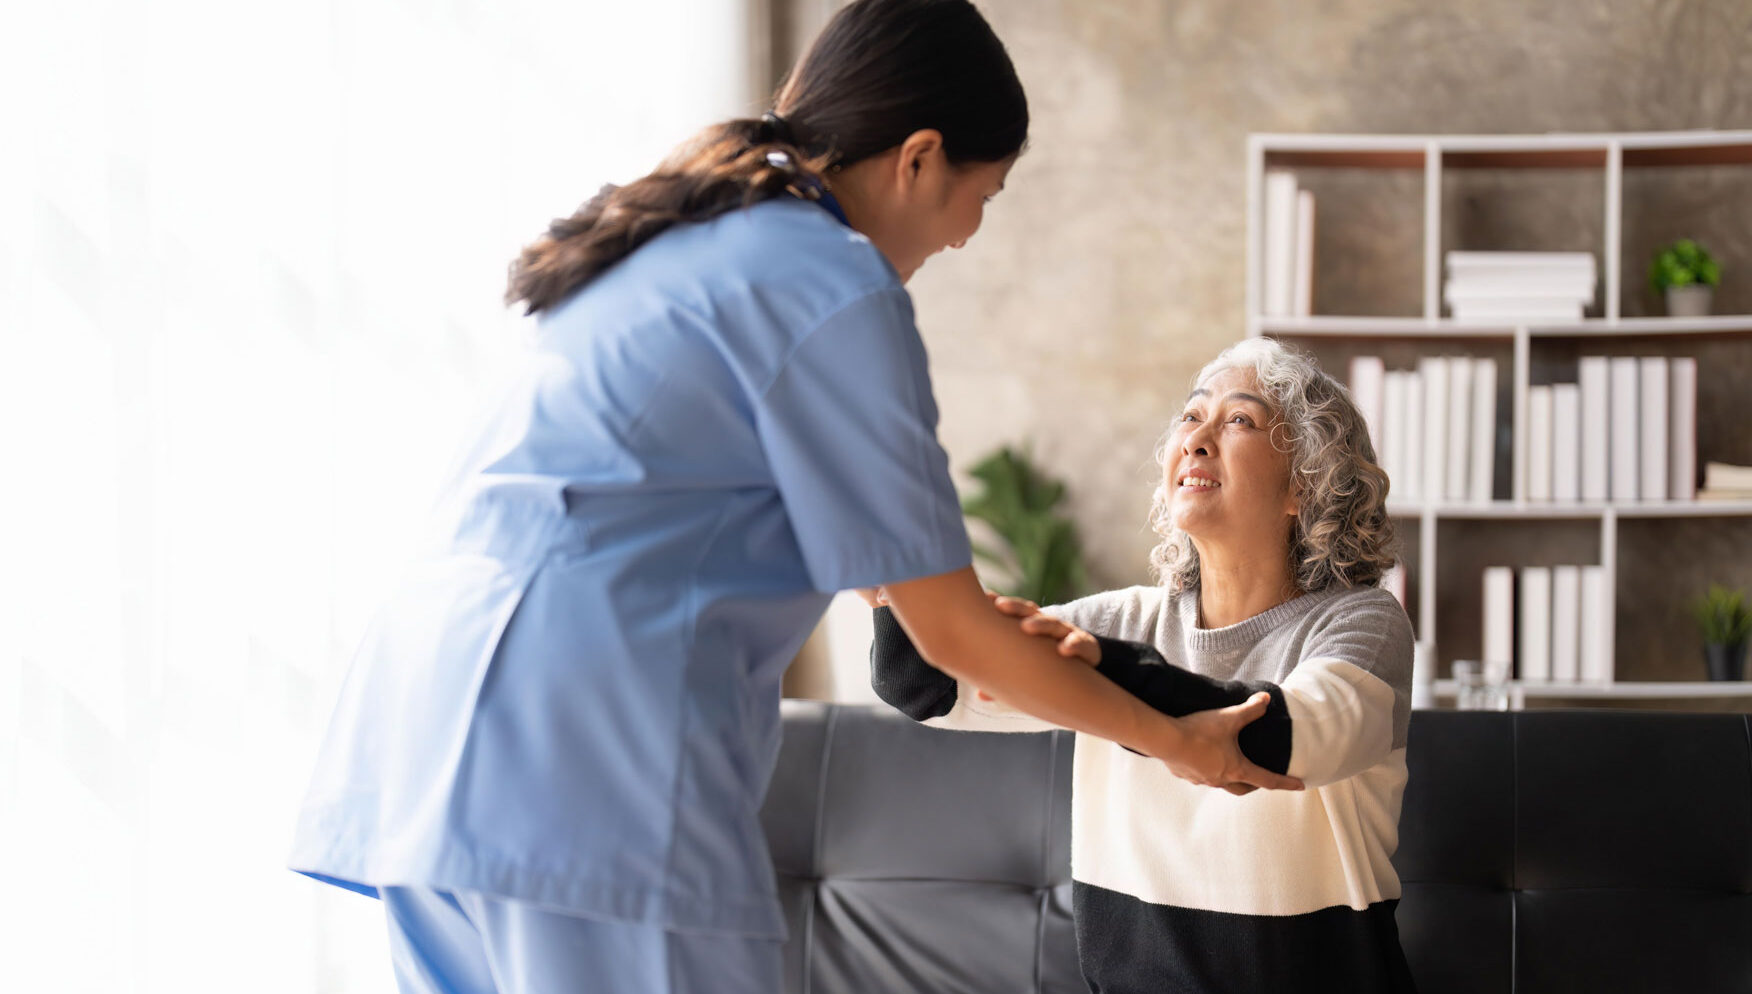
{"points": [[1540, 852], [912, 859]]}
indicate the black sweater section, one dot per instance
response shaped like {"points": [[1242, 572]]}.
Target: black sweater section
{"points": [[905, 680]]}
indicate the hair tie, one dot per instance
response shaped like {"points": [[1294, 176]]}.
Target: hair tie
{"points": [[778, 129]]}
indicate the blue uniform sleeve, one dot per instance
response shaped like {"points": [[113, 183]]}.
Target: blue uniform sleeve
{"points": [[849, 428]]}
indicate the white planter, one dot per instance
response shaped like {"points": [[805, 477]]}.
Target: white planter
{"points": [[1688, 301]]}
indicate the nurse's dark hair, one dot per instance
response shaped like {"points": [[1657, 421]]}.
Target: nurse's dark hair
{"points": [[879, 71]]}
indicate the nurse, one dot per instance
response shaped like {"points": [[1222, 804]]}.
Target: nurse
{"points": [[550, 752]]}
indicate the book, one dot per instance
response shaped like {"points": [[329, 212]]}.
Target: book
{"points": [[1596, 621], [1433, 371], [1596, 405], [1566, 442], [1368, 376], [1394, 582], [1682, 429], [1623, 472], [1392, 451], [1530, 285], [1498, 644], [1483, 310], [1722, 476], [1652, 446], [1481, 263], [1566, 623], [1302, 279], [1413, 450], [1455, 487], [1535, 624], [1279, 245], [1481, 476], [1539, 443]]}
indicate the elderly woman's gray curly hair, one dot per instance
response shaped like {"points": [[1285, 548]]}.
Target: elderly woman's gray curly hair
{"points": [[1342, 534]]}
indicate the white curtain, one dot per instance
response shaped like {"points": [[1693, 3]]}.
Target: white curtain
{"points": [[251, 259]]}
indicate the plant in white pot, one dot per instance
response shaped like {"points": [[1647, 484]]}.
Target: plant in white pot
{"points": [[1686, 273], [1725, 622]]}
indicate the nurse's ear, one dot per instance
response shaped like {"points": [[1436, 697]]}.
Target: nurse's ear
{"points": [[922, 166]]}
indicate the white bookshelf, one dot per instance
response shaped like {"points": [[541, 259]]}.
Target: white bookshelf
{"points": [[1430, 332]]}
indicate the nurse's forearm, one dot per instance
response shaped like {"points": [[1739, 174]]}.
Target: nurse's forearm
{"points": [[957, 629]]}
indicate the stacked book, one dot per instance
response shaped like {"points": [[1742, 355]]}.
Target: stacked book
{"points": [[1519, 286], [1287, 289], [1548, 622], [1435, 428], [1625, 431], [1724, 482]]}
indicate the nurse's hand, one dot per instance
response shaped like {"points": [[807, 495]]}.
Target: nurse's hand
{"points": [[874, 596], [1205, 750]]}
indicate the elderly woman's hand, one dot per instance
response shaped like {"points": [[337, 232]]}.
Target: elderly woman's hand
{"points": [[1208, 754]]}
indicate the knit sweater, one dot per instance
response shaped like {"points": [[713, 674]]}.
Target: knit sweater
{"points": [[1180, 888]]}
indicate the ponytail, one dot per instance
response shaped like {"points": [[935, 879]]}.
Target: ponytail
{"points": [[731, 165], [880, 71]]}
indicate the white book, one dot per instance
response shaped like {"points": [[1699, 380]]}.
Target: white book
{"points": [[1392, 451], [1280, 243], [1682, 429], [1478, 263], [1596, 620], [1566, 442], [1652, 446], [1481, 310], [1393, 581], [1725, 476], [1622, 466], [1302, 281], [1566, 623], [1535, 645], [1498, 645], [1596, 405], [1413, 452], [1576, 285], [1481, 477], [1368, 387], [1459, 451], [1539, 443], [1433, 370]]}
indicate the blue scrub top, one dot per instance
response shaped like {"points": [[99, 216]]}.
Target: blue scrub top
{"points": [[574, 699]]}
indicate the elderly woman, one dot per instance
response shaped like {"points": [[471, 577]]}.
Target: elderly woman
{"points": [[1274, 540]]}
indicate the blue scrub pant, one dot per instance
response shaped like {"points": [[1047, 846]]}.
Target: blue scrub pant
{"points": [[467, 943]]}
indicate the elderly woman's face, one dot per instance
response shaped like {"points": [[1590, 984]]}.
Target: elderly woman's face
{"points": [[1227, 482]]}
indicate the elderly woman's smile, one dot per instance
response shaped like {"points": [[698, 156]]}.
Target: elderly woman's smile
{"points": [[1227, 470]]}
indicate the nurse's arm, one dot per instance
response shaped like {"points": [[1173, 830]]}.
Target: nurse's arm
{"points": [[959, 631]]}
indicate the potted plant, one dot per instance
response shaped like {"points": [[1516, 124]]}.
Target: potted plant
{"points": [[1042, 558], [1685, 272], [1725, 620]]}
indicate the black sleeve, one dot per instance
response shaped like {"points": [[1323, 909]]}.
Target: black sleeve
{"points": [[902, 678], [1141, 671]]}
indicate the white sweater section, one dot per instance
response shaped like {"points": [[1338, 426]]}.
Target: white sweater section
{"points": [[1343, 661]]}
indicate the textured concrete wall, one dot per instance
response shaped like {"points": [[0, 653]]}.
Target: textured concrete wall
{"points": [[1113, 266]]}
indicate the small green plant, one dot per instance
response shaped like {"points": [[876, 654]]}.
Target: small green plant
{"points": [[1722, 616], [1683, 263], [1042, 560]]}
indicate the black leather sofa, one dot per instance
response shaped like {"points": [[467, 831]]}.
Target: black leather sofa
{"points": [[1541, 851]]}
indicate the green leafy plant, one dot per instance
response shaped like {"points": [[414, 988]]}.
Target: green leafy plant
{"points": [[1683, 263], [1042, 558], [1723, 616]]}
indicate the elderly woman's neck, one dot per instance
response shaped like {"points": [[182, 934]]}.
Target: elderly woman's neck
{"points": [[1233, 589]]}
